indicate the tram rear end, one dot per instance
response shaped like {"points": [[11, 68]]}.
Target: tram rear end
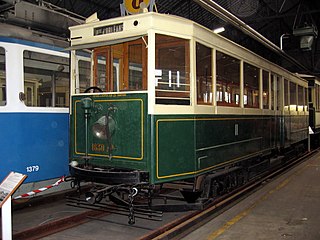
{"points": [[108, 128]]}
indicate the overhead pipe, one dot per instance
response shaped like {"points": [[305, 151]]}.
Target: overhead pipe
{"points": [[225, 15], [285, 35]]}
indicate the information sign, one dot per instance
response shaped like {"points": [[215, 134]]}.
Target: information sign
{"points": [[9, 185]]}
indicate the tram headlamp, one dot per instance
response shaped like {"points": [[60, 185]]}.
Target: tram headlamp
{"points": [[101, 127], [99, 131]]}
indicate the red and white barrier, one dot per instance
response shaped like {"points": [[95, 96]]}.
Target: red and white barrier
{"points": [[34, 192]]}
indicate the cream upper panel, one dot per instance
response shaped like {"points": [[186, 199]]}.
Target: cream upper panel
{"points": [[142, 24], [129, 26], [135, 25]]}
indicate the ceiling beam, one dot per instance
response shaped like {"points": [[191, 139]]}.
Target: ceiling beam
{"points": [[219, 11]]}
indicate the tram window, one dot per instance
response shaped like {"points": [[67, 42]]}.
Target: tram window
{"points": [[265, 93], [46, 80], [101, 69], [286, 94], [309, 97], [121, 67], [315, 95], [228, 80], [293, 94], [317, 89], [135, 67], [116, 74], [204, 74], [273, 87], [300, 96], [3, 84], [306, 99], [318, 97], [279, 93], [172, 70], [251, 86], [315, 100], [107, 64], [84, 75]]}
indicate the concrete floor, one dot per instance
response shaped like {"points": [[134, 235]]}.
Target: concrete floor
{"points": [[286, 208]]}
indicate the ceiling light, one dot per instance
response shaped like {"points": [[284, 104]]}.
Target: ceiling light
{"points": [[219, 30]]}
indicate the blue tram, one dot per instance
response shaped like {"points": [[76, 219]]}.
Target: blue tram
{"points": [[34, 101]]}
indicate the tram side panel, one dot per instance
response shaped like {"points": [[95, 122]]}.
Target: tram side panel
{"points": [[294, 129], [27, 147], [228, 139], [173, 148], [299, 128], [186, 146]]}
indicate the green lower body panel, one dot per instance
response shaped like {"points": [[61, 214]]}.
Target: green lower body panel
{"points": [[115, 133], [186, 146], [174, 147]]}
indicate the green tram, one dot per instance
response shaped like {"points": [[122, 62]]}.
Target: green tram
{"points": [[157, 98]]}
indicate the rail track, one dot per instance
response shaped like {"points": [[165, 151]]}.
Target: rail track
{"points": [[190, 222], [174, 225]]}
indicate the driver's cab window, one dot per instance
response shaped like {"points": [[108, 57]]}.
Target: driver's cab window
{"points": [[121, 67], [100, 69]]}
